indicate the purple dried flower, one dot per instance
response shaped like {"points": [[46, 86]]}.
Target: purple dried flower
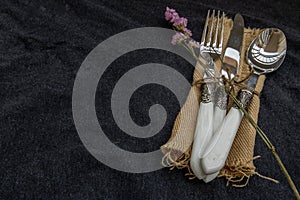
{"points": [[171, 14], [180, 22], [170, 9], [194, 43], [187, 32], [168, 16], [175, 16], [177, 37]]}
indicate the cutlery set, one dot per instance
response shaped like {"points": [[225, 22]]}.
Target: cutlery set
{"points": [[215, 129]]}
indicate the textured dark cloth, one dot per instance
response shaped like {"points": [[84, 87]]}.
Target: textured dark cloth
{"points": [[42, 45]]}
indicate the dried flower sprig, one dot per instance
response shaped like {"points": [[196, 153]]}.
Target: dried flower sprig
{"points": [[179, 23]]}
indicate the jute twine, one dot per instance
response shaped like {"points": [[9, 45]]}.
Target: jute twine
{"points": [[239, 165]]}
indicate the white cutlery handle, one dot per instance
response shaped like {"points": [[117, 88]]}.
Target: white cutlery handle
{"points": [[210, 177], [219, 115], [215, 159], [219, 146], [203, 131]]}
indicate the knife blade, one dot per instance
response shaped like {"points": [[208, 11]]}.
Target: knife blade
{"points": [[216, 152], [232, 53]]}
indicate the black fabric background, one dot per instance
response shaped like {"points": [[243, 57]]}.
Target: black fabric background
{"points": [[42, 45]]}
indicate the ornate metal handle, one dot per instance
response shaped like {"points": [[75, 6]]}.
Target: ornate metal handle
{"points": [[244, 97], [206, 95]]}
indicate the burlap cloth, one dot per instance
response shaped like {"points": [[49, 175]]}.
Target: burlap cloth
{"points": [[239, 164]]}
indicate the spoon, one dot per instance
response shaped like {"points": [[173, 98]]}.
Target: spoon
{"points": [[265, 54]]}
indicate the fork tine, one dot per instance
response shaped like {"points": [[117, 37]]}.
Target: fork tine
{"points": [[216, 31], [211, 28], [222, 32], [205, 30]]}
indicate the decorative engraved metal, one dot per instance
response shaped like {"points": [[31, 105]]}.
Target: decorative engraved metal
{"points": [[244, 98], [221, 98], [205, 94]]}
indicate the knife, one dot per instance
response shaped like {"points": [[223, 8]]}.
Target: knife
{"points": [[216, 153]]}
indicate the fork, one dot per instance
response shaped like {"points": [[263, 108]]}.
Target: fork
{"points": [[211, 43]]}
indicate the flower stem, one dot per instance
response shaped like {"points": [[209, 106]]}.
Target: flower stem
{"points": [[269, 144]]}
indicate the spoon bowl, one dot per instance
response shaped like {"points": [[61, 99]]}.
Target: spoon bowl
{"points": [[267, 51]]}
